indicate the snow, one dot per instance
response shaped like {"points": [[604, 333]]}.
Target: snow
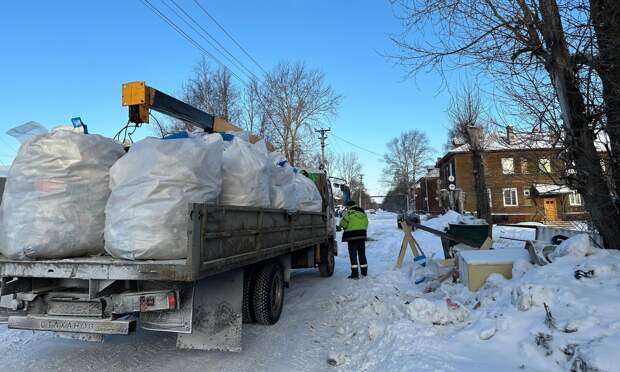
{"points": [[546, 189], [387, 323], [4, 171], [495, 256]]}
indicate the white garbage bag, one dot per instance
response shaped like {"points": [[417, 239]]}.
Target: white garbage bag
{"points": [[246, 176], [308, 195], [284, 197], [283, 173], [283, 194], [55, 196], [152, 186]]}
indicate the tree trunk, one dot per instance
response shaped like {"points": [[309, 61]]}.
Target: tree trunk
{"points": [[580, 136], [480, 185], [606, 20]]}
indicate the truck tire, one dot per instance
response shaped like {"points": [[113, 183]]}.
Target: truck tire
{"points": [[248, 287], [328, 263], [268, 294]]}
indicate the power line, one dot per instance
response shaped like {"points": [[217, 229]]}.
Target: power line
{"points": [[234, 59], [230, 36], [358, 146], [180, 31]]}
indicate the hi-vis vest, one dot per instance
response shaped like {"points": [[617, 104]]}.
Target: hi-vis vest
{"points": [[355, 223]]}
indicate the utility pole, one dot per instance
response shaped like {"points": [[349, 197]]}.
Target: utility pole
{"points": [[323, 137], [361, 190]]}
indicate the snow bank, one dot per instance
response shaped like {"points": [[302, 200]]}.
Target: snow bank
{"points": [[397, 326], [577, 246], [436, 312]]}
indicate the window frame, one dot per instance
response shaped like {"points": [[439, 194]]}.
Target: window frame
{"points": [[504, 171], [572, 199], [542, 168], [516, 196]]}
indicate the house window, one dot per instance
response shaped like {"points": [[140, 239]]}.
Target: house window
{"points": [[510, 197], [490, 198], [508, 166], [524, 166], [574, 199], [544, 165]]}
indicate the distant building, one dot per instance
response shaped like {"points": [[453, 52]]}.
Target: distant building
{"points": [[522, 171], [427, 192]]}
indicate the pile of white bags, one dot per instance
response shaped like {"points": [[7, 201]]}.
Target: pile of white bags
{"points": [[282, 192], [308, 195], [55, 195], [152, 186], [246, 173]]}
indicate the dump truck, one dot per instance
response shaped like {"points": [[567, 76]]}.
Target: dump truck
{"points": [[239, 261]]}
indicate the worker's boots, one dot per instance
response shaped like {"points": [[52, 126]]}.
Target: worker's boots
{"points": [[364, 269], [354, 273]]}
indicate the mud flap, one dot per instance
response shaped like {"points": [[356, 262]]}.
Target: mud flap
{"points": [[216, 315]]}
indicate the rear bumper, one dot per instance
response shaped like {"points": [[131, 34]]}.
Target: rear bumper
{"points": [[72, 324]]}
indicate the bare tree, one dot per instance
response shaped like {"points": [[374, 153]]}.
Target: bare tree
{"points": [[295, 100], [466, 113], [254, 117], [214, 92], [347, 166], [406, 159], [569, 49]]}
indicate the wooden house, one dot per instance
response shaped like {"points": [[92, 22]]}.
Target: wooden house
{"points": [[523, 177]]}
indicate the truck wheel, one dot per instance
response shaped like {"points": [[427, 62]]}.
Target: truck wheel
{"points": [[248, 284], [327, 265], [268, 296]]}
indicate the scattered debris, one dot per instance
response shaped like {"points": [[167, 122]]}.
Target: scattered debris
{"points": [[335, 359], [583, 274], [486, 334], [544, 340]]}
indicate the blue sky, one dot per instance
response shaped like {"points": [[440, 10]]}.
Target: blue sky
{"points": [[68, 58]]}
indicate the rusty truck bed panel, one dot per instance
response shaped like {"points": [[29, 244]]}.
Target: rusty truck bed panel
{"points": [[221, 238]]}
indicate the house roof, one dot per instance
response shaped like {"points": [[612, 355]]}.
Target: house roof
{"points": [[430, 173], [518, 141], [496, 141]]}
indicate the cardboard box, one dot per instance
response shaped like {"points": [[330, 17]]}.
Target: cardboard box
{"points": [[476, 266]]}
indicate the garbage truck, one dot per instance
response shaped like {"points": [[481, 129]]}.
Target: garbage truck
{"points": [[239, 262]]}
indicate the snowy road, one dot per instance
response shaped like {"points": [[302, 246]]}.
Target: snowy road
{"points": [[383, 322]]}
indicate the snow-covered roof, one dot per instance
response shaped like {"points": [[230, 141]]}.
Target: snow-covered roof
{"points": [[497, 141], [545, 189], [430, 173], [518, 141]]}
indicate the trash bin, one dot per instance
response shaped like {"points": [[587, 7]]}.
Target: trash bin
{"points": [[474, 233]]}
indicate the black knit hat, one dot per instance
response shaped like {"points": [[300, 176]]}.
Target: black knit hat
{"points": [[350, 203]]}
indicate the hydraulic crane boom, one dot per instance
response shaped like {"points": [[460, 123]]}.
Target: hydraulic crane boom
{"points": [[141, 99]]}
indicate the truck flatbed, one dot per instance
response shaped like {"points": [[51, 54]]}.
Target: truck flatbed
{"points": [[220, 238]]}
